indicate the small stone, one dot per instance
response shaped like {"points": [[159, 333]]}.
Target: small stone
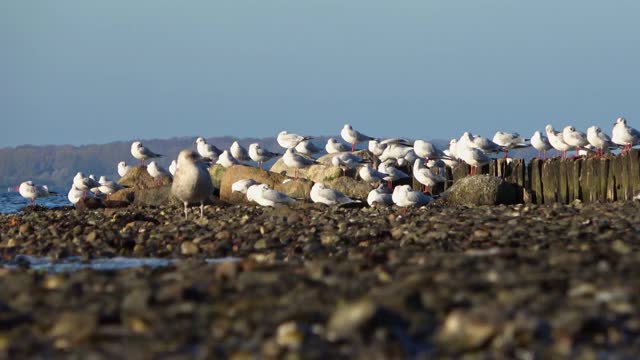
{"points": [[464, 331], [481, 234], [397, 232], [92, 236], [260, 244], [289, 335], [25, 229], [223, 235], [620, 247], [188, 248], [329, 239]]}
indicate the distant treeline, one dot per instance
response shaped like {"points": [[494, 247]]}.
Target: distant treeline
{"points": [[55, 165]]}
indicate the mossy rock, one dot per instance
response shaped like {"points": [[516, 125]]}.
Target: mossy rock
{"points": [[480, 190], [138, 178]]}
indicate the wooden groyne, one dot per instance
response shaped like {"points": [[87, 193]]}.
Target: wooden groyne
{"points": [[614, 177]]}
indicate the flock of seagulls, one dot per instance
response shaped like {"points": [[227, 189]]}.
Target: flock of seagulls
{"points": [[395, 159]]}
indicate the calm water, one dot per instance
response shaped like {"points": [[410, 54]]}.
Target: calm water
{"points": [[12, 202]]}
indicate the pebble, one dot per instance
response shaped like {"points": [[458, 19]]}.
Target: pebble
{"points": [[188, 248]]}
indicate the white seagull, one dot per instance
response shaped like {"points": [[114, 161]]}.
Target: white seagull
{"points": [[540, 143], [599, 140], [346, 161], [427, 150], [243, 185], [624, 135], [307, 147], [76, 194], [123, 168], [157, 172], [353, 137], [556, 141], [290, 141], [574, 138], [265, 196], [379, 195], [30, 191], [142, 153], [369, 174], [334, 146], [474, 157], [238, 152], [172, 167], [508, 141], [260, 155], [84, 183], [206, 150], [425, 176], [109, 187], [226, 160], [404, 196], [296, 161], [393, 173], [323, 194]]}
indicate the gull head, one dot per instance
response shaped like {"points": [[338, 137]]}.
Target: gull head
{"points": [[199, 140], [621, 120], [548, 129], [347, 127]]}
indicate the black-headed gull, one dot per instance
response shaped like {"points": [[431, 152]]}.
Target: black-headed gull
{"points": [[296, 161], [123, 168], [157, 172], [239, 152], [540, 143], [323, 194], [192, 182], [206, 150], [352, 136], [108, 187], [243, 185], [451, 160], [392, 173], [379, 195], [334, 147], [474, 157], [290, 141], [76, 194], [226, 160], [172, 167], [142, 153], [265, 196], [556, 141], [508, 141], [369, 174], [574, 138], [395, 151], [306, 147], [376, 147], [84, 183], [624, 135], [260, 155], [346, 161], [404, 196], [29, 190], [427, 150], [599, 140], [425, 176]]}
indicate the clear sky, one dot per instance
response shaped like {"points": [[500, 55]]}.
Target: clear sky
{"points": [[82, 71]]}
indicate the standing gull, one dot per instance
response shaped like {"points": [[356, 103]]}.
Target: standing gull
{"points": [[226, 160], [599, 140], [508, 141], [260, 155], [76, 194], [334, 146], [290, 141], [624, 135], [207, 150], [556, 141], [296, 161], [425, 176], [474, 157], [574, 138], [238, 152], [306, 147], [142, 153], [427, 150], [392, 173], [84, 183], [30, 191], [540, 143], [369, 174], [192, 182], [353, 137]]}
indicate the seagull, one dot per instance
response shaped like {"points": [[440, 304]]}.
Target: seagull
{"points": [[409, 158], [556, 140], [123, 168], [346, 161], [425, 176], [173, 167], [76, 194], [453, 148], [192, 182], [369, 174], [334, 147], [395, 151], [296, 161], [353, 137], [393, 173], [599, 140], [207, 151], [238, 152], [624, 135], [450, 160], [109, 187], [485, 145], [574, 138], [377, 147], [508, 141], [427, 150], [243, 185], [474, 157], [30, 191], [540, 143], [290, 141], [321, 193], [84, 183], [379, 195], [142, 153], [404, 196], [226, 160], [265, 196], [260, 155], [306, 147], [157, 172]]}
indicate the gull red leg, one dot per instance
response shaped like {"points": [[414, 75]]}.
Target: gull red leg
{"points": [[353, 147]]}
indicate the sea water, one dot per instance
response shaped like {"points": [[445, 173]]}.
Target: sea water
{"points": [[12, 202]]}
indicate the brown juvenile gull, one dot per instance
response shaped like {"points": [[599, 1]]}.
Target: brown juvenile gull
{"points": [[192, 182]]}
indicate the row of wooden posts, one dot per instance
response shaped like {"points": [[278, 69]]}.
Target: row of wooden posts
{"points": [[613, 177]]}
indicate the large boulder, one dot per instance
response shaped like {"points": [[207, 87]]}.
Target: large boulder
{"points": [[323, 171], [480, 190], [216, 171], [298, 189], [138, 178]]}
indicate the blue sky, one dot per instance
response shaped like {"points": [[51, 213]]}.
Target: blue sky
{"points": [[78, 71]]}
